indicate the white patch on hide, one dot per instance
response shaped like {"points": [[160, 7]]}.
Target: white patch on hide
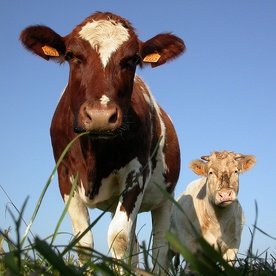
{"points": [[105, 37], [104, 100], [80, 218], [154, 105]]}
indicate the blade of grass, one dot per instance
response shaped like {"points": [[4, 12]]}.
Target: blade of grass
{"points": [[65, 209], [4, 237], [55, 260], [197, 264], [181, 249], [14, 206], [10, 243], [13, 259], [76, 240], [47, 185], [11, 263]]}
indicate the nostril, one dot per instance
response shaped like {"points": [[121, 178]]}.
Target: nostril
{"points": [[113, 118], [87, 114]]}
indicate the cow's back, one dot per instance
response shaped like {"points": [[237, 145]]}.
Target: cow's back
{"points": [[164, 151]]}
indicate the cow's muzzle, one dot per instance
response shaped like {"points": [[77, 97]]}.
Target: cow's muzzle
{"points": [[102, 120], [225, 197]]}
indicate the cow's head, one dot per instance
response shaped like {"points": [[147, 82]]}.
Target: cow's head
{"points": [[222, 171], [103, 53]]}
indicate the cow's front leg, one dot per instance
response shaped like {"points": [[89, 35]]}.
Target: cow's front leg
{"points": [[160, 223], [80, 221], [231, 256], [121, 231]]}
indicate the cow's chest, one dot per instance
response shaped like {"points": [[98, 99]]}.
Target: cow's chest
{"points": [[221, 232], [127, 180]]}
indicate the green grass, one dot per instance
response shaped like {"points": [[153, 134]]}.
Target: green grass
{"points": [[43, 257]]}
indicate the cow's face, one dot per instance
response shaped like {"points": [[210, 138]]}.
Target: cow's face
{"points": [[223, 181], [103, 56], [103, 52], [222, 175]]}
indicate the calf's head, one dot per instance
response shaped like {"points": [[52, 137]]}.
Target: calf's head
{"points": [[222, 170], [103, 53]]}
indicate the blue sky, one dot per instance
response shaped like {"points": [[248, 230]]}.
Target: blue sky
{"points": [[220, 95]]}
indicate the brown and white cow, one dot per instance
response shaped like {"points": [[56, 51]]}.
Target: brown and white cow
{"points": [[117, 160], [211, 204]]}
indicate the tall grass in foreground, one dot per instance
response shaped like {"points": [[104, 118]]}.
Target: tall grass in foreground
{"points": [[42, 257]]}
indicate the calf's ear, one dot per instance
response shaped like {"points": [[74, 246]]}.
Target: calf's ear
{"points": [[198, 167], [246, 163], [161, 48], [43, 41]]}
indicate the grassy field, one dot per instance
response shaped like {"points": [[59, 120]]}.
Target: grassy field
{"points": [[42, 257], [29, 255]]}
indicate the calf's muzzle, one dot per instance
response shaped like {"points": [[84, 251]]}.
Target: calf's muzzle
{"points": [[225, 196]]}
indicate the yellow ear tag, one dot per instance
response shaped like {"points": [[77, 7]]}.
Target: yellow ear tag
{"points": [[154, 57], [50, 51]]}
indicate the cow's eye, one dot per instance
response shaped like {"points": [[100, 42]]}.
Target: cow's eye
{"points": [[130, 62], [135, 59], [69, 55]]}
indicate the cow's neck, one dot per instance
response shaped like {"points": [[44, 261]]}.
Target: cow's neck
{"points": [[224, 213], [103, 157]]}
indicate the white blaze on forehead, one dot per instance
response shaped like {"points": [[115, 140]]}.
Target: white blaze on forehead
{"points": [[104, 100], [105, 37]]}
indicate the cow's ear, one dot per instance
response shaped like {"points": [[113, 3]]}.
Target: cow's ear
{"points": [[246, 163], [43, 41], [198, 167], [161, 48]]}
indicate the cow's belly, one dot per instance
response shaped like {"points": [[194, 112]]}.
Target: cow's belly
{"points": [[152, 199], [153, 195]]}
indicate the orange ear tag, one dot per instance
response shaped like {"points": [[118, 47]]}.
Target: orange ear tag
{"points": [[154, 57], [50, 51], [199, 171]]}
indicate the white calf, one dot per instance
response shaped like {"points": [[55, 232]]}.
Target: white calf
{"points": [[211, 206]]}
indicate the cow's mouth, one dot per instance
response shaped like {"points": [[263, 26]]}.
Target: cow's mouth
{"points": [[224, 203], [104, 134]]}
